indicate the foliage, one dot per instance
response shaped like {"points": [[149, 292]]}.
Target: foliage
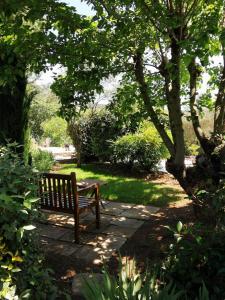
{"points": [[212, 203], [197, 256], [29, 31], [192, 149], [56, 129], [96, 132], [42, 160], [130, 284], [162, 51], [44, 106], [21, 270], [142, 150]]}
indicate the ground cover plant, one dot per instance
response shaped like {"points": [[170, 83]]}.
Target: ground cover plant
{"points": [[124, 188]]}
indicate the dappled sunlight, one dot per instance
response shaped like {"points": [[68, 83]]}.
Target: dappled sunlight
{"points": [[127, 189], [119, 222]]}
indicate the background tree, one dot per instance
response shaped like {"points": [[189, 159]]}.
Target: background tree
{"points": [[162, 49], [44, 106], [56, 129]]}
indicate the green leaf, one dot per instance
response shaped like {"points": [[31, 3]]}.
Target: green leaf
{"points": [[179, 226], [29, 227]]}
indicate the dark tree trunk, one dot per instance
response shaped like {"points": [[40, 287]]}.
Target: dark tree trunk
{"points": [[75, 134], [219, 118], [13, 113], [14, 108], [139, 74]]}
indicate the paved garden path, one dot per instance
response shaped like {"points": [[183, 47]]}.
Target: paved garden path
{"points": [[119, 222]]}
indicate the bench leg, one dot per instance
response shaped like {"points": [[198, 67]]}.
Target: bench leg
{"points": [[97, 211], [76, 229]]}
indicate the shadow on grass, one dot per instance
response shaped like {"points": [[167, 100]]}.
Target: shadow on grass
{"points": [[126, 189]]}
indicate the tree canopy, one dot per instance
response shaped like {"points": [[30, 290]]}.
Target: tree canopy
{"points": [[162, 49], [32, 33]]}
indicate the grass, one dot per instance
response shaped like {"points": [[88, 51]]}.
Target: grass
{"points": [[125, 188]]}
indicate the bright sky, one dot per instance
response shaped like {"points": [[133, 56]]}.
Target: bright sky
{"points": [[81, 7]]}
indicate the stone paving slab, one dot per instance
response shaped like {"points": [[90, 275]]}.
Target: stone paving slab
{"points": [[87, 254], [51, 231], [58, 247], [119, 221], [115, 208], [141, 212], [63, 219], [118, 205], [126, 222], [126, 232], [109, 245]]}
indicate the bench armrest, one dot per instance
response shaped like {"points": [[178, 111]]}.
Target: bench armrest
{"points": [[91, 187]]}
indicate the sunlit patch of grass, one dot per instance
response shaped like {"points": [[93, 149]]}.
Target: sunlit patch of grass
{"points": [[125, 189]]}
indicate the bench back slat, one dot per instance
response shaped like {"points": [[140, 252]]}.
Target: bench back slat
{"points": [[50, 192], [69, 195], [59, 192]]}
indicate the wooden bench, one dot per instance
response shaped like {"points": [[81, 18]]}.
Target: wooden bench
{"points": [[59, 192]]}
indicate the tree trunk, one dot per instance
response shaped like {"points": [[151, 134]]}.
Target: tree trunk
{"points": [[219, 116], [174, 108], [14, 112], [139, 74], [74, 132]]}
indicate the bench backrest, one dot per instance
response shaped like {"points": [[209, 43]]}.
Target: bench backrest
{"points": [[58, 192]]}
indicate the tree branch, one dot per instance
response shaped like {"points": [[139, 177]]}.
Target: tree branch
{"points": [[139, 73], [194, 75]]}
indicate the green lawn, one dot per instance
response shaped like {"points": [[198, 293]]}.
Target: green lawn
{"points": [[125, 189]]}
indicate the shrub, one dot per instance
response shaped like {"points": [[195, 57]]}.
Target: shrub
{"points": [[142, 150], [93, 134], [43, 161], [197, 256], [22, 275]]}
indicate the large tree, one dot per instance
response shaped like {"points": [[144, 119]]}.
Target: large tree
{"points": [[32, 33], [163, 49]]}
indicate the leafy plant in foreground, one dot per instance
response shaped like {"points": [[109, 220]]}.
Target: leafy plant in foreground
{"points": [[197, 256], [132, 285], [22, 275]]}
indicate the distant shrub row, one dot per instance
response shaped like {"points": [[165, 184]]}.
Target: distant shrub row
{"points": [[101, 137]]}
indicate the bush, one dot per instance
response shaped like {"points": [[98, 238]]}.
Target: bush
{"points": [[93, 134], [22, 275], [142, 150], [43, 161], [197, 256]]}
